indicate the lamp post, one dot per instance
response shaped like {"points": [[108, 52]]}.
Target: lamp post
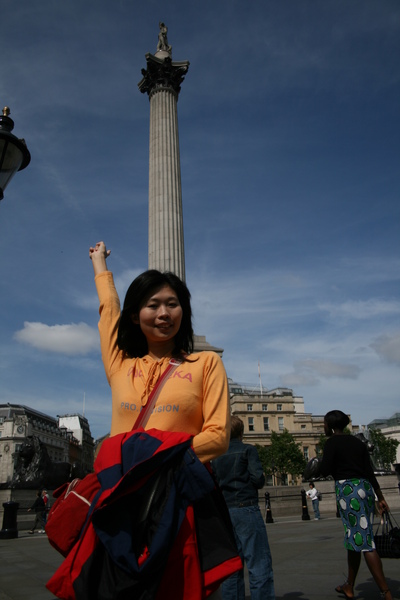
{"points": [[14, 155]]}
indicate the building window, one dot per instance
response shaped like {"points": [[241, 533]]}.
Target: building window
{"points": [[284, 479], [265, 407], [305, 451], [279, 407], [251, 423], [236, 390], [303, 426], [266, 424], [280, 423], [249, 407]]}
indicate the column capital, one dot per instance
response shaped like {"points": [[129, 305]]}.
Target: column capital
{"points": [[162, 74]]}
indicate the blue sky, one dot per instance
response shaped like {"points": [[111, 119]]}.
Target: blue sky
{"points": [[290, 146]]}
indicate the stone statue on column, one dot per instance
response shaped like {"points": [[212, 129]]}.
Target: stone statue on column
{"points": [[163, 40]]}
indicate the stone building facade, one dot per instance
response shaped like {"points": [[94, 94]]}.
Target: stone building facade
{"points": [[63, 444], [79, 426], [264, 411]]}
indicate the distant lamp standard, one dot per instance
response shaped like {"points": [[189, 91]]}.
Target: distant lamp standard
{"points": [[14, 155]]}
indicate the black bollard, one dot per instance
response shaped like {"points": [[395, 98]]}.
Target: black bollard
{"points": [[10, 529], [268, 513], [305, 516]]}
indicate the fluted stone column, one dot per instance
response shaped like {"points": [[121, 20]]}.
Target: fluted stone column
{"points": [[162, 80]]}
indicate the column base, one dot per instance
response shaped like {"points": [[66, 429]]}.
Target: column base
{"points": [[201, 344]]}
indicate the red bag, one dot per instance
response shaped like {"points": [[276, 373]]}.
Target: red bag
{"points": [[68, 514]]}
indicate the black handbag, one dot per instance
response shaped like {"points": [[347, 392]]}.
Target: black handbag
{"points": [[313, 469], [387, 543]]}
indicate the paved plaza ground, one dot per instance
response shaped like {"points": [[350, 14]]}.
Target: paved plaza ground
{"points": [[308, 556]]}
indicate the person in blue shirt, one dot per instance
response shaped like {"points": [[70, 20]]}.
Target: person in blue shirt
{"points": [[240, 475]]}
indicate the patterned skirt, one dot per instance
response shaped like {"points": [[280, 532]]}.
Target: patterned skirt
{"points": [[356, 503]]}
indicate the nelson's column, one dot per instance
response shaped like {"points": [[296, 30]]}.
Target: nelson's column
{"points": [[162, 81]]}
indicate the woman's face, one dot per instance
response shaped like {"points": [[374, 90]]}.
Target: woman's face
{"points": [[160, 316]]}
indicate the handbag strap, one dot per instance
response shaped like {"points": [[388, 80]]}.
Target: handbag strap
{"points": [[386, 523], [382, 523], [391, 521], [144, 414]]}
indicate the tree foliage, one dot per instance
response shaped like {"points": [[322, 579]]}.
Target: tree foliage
{"points": [[384, 454], [263, 456], [283, 456], [321, 444]]}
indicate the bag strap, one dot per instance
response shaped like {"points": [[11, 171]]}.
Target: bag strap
{"points": [[144, 414], [386, 522], [382, 523], [391, 521]]}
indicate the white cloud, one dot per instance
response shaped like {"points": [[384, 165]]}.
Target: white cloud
{"points": [[327, 368], [64, 339], [295, 380], [362, 309], [388, 348]]}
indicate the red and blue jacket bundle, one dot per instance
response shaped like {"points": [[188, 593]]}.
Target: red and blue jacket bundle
{"points": [[157, 528]]}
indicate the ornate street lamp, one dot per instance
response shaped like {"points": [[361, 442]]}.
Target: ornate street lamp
{"points": [[14, 155]]}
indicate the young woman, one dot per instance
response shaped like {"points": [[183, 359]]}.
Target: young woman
{"points": [[157, 511], [346, 458], [137, 345]]}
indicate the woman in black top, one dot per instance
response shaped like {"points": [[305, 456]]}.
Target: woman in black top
{"points": [[346, 459]]}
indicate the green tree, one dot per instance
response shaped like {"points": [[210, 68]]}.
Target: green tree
{"points": [[263, 456], [283, 456], [321, 444], [384, 454]]}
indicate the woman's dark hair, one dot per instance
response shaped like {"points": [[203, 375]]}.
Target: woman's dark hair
{"points": [[336, 419], [237, 427], [130, 337]]}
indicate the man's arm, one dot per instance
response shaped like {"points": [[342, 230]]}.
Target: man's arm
{"points": [[257, 476]]}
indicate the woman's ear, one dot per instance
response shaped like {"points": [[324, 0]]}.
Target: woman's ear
{"points": [[135, 319]]}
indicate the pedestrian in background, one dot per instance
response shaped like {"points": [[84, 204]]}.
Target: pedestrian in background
{"points": [[240, 475], [46, 501], [346, 459], [39, 507], [312, 494]]}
